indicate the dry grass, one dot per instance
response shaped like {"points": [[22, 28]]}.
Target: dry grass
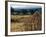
{"points": [[26, 23], [17, 27]]}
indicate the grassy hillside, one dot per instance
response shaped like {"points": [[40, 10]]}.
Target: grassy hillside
{"points": [[26, 22]]}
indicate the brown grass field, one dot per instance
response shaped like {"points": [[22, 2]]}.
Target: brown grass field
{"points": [[20, 23]]}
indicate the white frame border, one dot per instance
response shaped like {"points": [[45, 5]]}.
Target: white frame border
{"points": [[29, 32]]}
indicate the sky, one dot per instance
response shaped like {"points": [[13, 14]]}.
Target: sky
{"points": [[24, 6]]}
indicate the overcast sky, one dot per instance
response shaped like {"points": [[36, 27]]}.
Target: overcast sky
{"points": [[24, 6]]}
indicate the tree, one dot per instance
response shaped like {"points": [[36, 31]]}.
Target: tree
{"points": [[12, 10], [32, 11], [24, 11]]}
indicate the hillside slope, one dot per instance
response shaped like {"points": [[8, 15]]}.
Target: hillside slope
{"points": [[26, 23]]}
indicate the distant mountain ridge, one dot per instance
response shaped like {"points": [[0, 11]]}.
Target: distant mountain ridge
{"points": [[24, 11]]}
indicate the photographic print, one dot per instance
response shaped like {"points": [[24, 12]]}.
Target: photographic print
{"points": [[25, 18]]}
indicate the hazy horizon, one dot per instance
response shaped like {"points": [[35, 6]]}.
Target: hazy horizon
{"points": [[25, 6]]}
